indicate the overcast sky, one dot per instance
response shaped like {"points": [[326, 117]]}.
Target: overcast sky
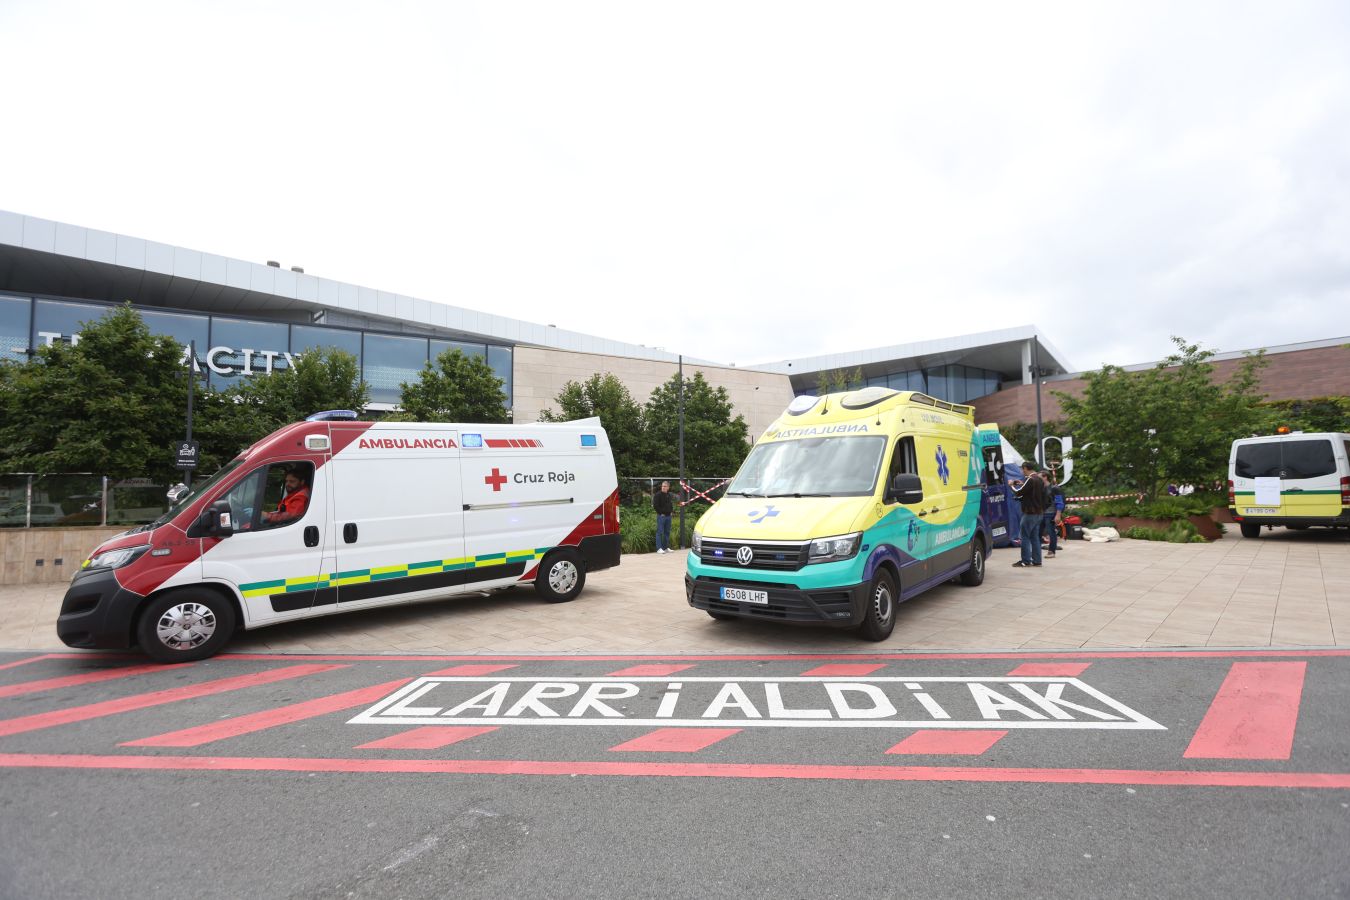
{"points": [[741, 182]]}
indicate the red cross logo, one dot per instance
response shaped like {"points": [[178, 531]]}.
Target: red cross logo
{"points": [[496, 479]]}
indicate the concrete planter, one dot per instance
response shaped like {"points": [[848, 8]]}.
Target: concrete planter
{"points": [[1205, 525], [47, 555]]}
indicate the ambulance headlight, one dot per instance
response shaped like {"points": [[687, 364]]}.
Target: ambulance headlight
{"points": [[696, 544], [113, 559], [830, 549]]}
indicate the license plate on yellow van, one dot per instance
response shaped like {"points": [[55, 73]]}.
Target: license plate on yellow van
{"points": [[740, 595], [1261, 511]]}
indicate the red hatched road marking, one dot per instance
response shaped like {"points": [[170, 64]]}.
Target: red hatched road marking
{"points": [[24, 662], [675, 740], [155, 698], [951, 743], [845, 669], [51, 684], [295, 712], [651, 671], [1069, 669], [1164, 778], [804, 657], [430, 737], [1253, 715]]}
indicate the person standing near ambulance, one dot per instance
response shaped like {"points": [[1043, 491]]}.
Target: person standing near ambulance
{"points": [[665, 508], [1033, 497]]}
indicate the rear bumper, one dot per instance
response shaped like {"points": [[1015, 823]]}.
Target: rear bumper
{"points": [[837, 607], [601, 551], [1343, 520], [97, 612]]}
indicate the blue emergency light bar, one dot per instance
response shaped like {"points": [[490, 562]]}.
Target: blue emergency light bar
{"points": [[471, 441], [588, 440], [333, 415]]}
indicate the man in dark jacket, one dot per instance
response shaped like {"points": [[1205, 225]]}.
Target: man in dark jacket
{"points": [[1034, 498], [664, 506]]}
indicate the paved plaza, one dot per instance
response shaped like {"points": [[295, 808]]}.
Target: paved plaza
{"points": [[1286, 589]]}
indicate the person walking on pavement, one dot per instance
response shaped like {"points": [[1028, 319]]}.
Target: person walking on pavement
{"points": [[1033, 497], [664, 506], [1054, 512]]}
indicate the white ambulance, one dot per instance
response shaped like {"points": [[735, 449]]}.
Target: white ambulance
{"points": [[1292, 479], [332, 514]]}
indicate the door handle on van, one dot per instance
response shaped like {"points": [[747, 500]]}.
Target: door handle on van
{"points": [[349, 532], [923, 512], [311, 536]]}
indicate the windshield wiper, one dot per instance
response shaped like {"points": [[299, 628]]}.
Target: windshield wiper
{"points": [[742, 494], [801, 495]]}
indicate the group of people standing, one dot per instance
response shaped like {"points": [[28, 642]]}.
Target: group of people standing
{"points": [[1042, 503]]}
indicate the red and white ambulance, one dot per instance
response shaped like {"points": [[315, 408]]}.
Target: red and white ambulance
{"points": [[331, 514]]}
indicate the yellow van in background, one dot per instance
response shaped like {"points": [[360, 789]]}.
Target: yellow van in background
{"points": [[1296, 480], [848, 504]]}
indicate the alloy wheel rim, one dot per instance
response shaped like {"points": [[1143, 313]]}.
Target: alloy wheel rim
{"points": [[186, 626]]}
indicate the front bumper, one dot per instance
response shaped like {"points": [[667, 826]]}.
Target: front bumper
{"points": [[97, 612], [836, 607]]}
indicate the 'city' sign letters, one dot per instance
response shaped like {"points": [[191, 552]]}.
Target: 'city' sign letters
{"points": [[222, 360]]}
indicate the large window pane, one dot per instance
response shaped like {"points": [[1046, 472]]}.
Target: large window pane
{"points": [[241, 348], [499, 358], [308, 337], [390, 361], [937, 382], [14, 315], [57, 320], [439, 347], [136, 501], [13, 501], [62, 500], [183, 328]]}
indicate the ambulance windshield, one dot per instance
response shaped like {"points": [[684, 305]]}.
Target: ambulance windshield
{"points": [[811, 467]]}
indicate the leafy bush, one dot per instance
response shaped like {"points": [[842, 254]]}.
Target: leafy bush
{"points": [[1162, 508], [1179, 532]]}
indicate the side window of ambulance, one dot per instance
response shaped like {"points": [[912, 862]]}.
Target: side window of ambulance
{"points": [[243, 499], [285, 495], [904, 461]]}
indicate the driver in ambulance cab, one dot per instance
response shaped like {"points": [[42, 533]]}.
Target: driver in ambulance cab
{"points": [[294, 502]]}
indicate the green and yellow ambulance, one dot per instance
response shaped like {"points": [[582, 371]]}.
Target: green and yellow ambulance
{"points": [[848, 504], [1292, 479]]}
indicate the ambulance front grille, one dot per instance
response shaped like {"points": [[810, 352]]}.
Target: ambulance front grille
{"points": [[781, 557]]}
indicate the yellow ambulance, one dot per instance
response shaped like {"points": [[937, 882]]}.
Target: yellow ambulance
{"points": [[1293, 479], [849, 504]]}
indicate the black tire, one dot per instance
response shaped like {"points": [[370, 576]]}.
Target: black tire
{"points": [[879, 616], [1250, 529], [184, 626], [974, 576], [721, 616], [561, 576]]}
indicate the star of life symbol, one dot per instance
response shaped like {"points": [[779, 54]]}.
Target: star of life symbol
{"points": [[745, 555], [768, 511], [943, 472]]}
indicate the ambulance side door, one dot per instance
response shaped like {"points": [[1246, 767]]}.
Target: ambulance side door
{"points": [[914, 535], [399, 520]]}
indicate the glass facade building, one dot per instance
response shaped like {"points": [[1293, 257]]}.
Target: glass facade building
{"points": [[953, 383], [233, 347]]}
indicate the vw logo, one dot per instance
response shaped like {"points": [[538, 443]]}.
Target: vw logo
{"points": [[744, 556]]}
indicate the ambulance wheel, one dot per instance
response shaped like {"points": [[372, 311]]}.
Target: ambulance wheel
{"points": [[879, 617], [183, 626], [561, 577], [1250, 529], [720, 616], [974, 576]]}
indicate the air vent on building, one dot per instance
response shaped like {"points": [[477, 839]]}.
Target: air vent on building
{"points": [[274, 264], [300, 269]]}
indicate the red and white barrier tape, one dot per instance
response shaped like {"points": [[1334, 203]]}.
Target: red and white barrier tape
{"points": [[697, 493], [1099, 497]]}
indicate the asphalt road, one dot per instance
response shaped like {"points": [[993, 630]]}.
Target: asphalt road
{"points": [[1132, 774]]}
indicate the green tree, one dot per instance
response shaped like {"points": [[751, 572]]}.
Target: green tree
{"points": [[607, 397], [1172, 423], [715, 441], [112, 404], [320, 379], [458, 388], [1315, 414], [833, 381]]}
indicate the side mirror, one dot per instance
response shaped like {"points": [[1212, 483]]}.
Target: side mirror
{"points": [[217, 520], [905, 488]]}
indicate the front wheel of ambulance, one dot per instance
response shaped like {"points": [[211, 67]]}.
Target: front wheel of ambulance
{"points": [[183, 626], [879, 617], [561, 577], [974, 576]]}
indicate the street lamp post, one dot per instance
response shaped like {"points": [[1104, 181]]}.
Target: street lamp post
{"points": [[680, 537]]}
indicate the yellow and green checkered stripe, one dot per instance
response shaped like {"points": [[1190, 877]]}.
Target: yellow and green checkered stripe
{"points": [[385, 573]]}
